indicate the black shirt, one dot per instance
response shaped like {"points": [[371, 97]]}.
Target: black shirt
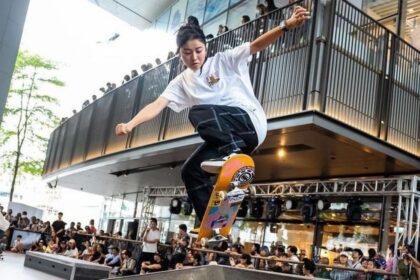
{"points": [[57, 225]]}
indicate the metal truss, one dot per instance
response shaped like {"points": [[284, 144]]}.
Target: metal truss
{"points": [[148, 203], [397, 186]]}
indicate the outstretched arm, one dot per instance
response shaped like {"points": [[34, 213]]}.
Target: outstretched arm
{"points": [[146, 114], [298, 18]]}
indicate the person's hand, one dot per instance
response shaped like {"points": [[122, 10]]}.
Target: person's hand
{"points": [[122, 129], [298, 17]]}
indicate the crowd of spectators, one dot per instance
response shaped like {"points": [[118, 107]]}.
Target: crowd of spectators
{"points": [[180, 251]]}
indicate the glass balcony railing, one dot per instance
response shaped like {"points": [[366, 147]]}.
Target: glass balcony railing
{"points": [[341, 63]]}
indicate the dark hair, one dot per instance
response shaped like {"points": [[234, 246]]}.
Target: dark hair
{"points": [[183, 227], [270, 5], [153, 220], [293, 249], [226, 28], [61, 213], [193, 20], [372, 253], [24, 213], [359, 252], [188, 32], [309, 265], [246, 18], [247, 258], [19, 236], [257, 247], [116, 249]]}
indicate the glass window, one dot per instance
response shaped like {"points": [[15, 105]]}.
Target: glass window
{"points": [[128, 205], [177, 16], [299, 235], [412, 25], [384, 11], [338, 237], [235, 15], [233, 2], [248, 232], [196, 8], [215, 7], [162, 22], [213, 26], [116, 206]]}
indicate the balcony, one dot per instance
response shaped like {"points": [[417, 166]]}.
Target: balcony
{"points": [[342, 94]]}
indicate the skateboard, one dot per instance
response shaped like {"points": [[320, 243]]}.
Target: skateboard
{"points": [[228, 193]]}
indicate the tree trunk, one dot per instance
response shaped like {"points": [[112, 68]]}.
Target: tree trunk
{"points": [[15, 171]]}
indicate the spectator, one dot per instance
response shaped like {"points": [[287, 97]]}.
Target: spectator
{"points": [[23, 221], [143, 67], [113, 86], [74, 111], [92, 227], [33, 226], [62, 248], [4, 225], [149, 66], [245, 19], [94, 97], [158, 264], [58, 227], [406, 267], [181, 241], [79, 227], [50, 247], [270, 6], [282, 265], [114, 259], [103, 90], [108, 87], [85, 104], [98, 255], [46, 228], [292, 256], [209, 37], [17, 245], [170, 55], [261, 10], [322, 272], [128, 264], [158, 62], [373, 265], [245, 261], [221, 30], [9, 215], [357, 256], [380, 259], [134, 74], [340, 274], [71, 251], [150, 241], [308, 268], [87, 253]]}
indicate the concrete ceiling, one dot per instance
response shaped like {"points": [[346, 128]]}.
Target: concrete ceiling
{"points": [[316, 147], [139, 13]]}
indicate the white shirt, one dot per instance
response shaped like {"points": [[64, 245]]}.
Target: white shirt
{"points": [[151, 247], [4, 224], [233, 89]]}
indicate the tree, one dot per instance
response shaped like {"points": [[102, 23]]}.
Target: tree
{"points": [[28, 116]]}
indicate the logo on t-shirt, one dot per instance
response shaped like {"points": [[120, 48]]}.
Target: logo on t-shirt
{"points": [[213, 79]]}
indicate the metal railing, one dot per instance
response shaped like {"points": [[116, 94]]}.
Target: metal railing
{"points": [[341, 62]]}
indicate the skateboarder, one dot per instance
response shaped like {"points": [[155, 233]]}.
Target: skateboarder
{"points": [[223, 107]]}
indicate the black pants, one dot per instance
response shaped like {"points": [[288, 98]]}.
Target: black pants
{"points": [[224, 129]]}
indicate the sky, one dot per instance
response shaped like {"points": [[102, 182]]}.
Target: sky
{"points": [[75, 33]]}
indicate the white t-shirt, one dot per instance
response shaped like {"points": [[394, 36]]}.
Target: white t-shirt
{"points": [[151, 247], [233, 89]]}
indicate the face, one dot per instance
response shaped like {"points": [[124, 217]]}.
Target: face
{"points": [[60, 216], [193, 54], [343, 259], [365, 264], [153, 224], [355, 255], [370, 265]]}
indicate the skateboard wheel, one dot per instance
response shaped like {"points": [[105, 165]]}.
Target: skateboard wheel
{"points": [[222, 195], [204, 241]]}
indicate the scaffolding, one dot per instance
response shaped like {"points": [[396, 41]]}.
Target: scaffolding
{"points": [[147, 203]]}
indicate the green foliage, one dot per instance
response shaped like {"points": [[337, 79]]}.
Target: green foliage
{"points": [[28, 116]]}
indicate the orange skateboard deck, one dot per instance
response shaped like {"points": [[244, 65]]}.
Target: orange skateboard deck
{"points": [[221, 213]]}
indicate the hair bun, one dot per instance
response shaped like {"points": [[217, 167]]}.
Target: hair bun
{"points": [[193, 21]]}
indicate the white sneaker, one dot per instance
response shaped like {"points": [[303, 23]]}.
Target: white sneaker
{"points": [[215, 165]]}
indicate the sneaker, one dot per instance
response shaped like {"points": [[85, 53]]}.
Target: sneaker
{"points": [[214, 166]]}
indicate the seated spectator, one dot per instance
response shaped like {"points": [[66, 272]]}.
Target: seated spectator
{"points": [[71, 251], [245, 261], [62, 248], [17, 245], [308, 268], [50, 248], [193, 259], [98, 255], [158, 264], [23, 221], [87, 252], [114, 259], [134, 74], [340, 274], [128, 264], [38, 246], [322, 272]]}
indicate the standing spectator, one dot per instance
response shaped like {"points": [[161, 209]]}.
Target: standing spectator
{"points": [[170, 55], [74, 111], [181, 240], [33, 226], [262, 10], [149, 66], [85, 104], [220, 31], [113, 86], [292, 256], [94, 98], [406, 268], [308, 268], [23, 221], [357, 256], [58, 227], [322, 272], [79, 227], [71, 231], [270, 6], [134, 73], [9, 215], [4, 225], [17, 245], [150, 241], [108, 87], [372, 266], [128, 264], [245, 19], [380, 259], [340, 274], [143, 67], [158, 62], [92, 227]]}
